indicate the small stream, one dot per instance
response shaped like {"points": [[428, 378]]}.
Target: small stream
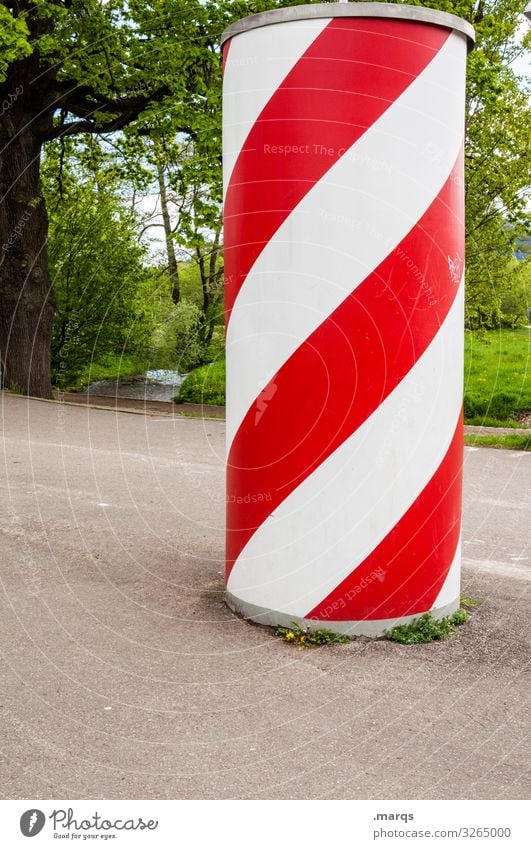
{"points": [[154, 385]]}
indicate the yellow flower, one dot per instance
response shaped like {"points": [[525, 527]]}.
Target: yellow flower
{"points": [[290, 635]]}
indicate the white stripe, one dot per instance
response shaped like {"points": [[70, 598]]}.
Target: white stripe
{"points": [[253, 72], [452, 586], [343, 510], [344, 227]]}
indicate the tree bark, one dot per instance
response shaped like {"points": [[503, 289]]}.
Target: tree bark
{"points": [[26, 294], [170, 244], [210, 284]]}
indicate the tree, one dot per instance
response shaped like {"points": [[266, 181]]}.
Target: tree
{"points": [[188, 211], [78, 66], [173, 269], [497, 155], [83, 66], [498, 167], [13, 43], [102, 289], [188, 171], [197, 187]]}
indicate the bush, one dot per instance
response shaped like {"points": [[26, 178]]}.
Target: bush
{"points": [[188, 333], [205, 385], [100, 282], [190, 348], [514, 306], [215, 350]]}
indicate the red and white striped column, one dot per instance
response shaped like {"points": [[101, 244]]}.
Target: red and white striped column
{"points": [[344, 259]]}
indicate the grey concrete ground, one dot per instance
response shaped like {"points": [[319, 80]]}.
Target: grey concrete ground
{"points": [[123, 675]]}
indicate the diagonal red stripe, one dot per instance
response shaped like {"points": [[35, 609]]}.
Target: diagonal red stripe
{"points": [[335, 92], [337, 378], [405, 572]]}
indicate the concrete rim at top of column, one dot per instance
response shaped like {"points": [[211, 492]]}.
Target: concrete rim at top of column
{"points": [[352, 10]]}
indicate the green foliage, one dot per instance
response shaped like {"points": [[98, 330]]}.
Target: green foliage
{"points": [[111, 64], [14, 42], [110, 366], [191, 285], [205, 385], [426, 628], [215, 349], [151, 68], [103, 291], [190, 282], [497, 160], [190, 348], [515, 299], [178, 342], [306, 637], [459, 617], [497, 375]]}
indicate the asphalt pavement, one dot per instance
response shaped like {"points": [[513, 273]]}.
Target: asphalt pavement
{"points": [[124, 675]]}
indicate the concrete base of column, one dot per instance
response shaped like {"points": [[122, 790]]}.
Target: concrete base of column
{"points": [[366, 628]]}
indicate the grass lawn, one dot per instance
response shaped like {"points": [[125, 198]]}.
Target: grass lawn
{"points": [[497, 376]]}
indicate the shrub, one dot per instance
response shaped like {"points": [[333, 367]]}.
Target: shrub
{"points": [[190, 348], [204, 385]]}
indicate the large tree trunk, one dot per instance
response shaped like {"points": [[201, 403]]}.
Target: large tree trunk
{"points": [[26, 294]]}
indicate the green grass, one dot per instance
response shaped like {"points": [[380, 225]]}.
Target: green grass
{"points": [[497, 380], [204, 385], [199, 415], [515, 441], [426, 628], [488, 421], [497, 376]]}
